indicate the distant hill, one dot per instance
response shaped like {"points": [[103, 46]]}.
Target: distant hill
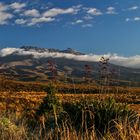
{"points": [[31, 64]]}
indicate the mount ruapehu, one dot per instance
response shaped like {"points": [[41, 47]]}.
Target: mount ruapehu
{"points": [[29, 63]]}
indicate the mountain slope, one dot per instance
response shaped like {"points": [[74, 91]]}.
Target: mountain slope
{"points": [[31, 64]]}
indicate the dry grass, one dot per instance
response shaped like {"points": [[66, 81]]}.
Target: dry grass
{"points": [[13, 129], [19, 101]]}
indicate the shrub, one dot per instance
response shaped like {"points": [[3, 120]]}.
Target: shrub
{"points": [[99, 115], [105, 112], [51, 105]]}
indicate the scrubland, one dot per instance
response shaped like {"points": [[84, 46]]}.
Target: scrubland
{"points": [[70, 112]]}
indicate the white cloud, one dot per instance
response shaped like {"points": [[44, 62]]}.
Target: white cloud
{"points": [[87, 25], [88, 17], [32, 13], [58, 11], [77, 22], [3, 7], [111, 11], [127, 19], [132, 61], [132, 19], [4, 14], [47, 16], [35, 21], [133, 8], [94, 11], [136, 18], [4, 17], [8, 51], [17, 5], [35, 16], [20, 21], [77, 7]]}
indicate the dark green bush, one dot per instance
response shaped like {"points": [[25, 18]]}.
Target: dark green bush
{"points": [[105, 112], [50, 107], [50, 102], [99, 115]]}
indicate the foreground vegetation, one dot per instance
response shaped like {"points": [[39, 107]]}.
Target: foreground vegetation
{"points": [[72, 108], [87, 120], [52, 116]]}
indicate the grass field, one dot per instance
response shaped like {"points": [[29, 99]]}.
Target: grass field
{"points": [[18, 106], [31, 100]]}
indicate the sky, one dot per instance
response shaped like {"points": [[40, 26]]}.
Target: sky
{"points": [[89, 26]]}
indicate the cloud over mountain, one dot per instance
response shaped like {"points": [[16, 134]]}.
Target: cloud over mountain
{"points": [[132, 61]]}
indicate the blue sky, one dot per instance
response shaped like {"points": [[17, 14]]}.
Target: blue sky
{"points": [[90, 26]]}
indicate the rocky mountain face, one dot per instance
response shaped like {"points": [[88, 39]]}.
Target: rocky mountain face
{"points": [[40, 64], [51, 50]]}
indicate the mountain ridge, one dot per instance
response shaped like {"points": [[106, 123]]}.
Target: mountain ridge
{"points": [[51, 50], [26, 67]]}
